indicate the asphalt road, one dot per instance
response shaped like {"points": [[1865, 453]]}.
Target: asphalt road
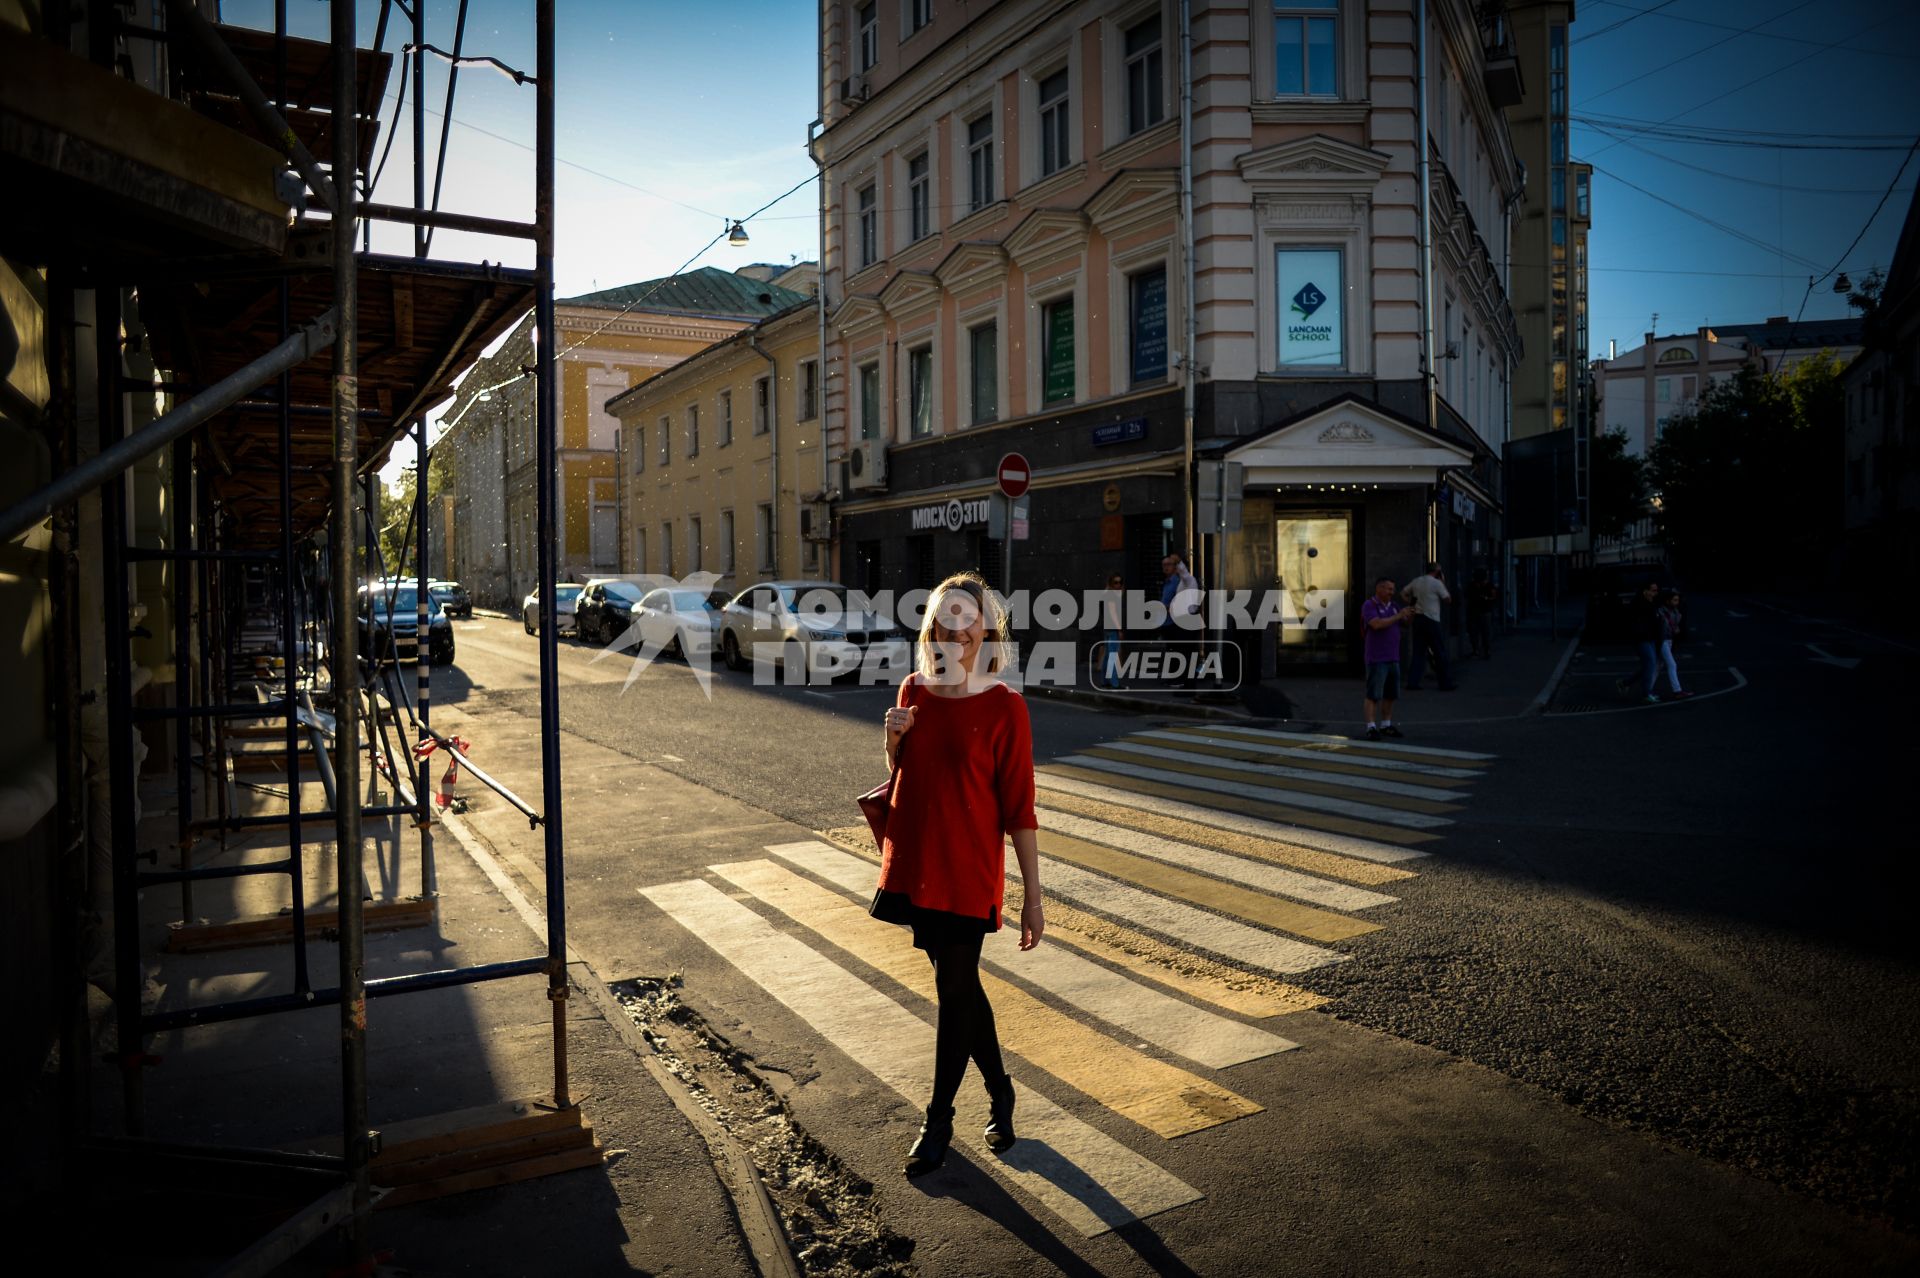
{"points": [[1686, 922]]}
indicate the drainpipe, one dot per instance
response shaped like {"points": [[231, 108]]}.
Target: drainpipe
{"points": [[818, 153], [773, 431], [1429, 354], [1187, 372]]}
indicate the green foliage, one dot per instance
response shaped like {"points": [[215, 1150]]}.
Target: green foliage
{"points": [[1617, 484], [1748, 484], [396, 513]]}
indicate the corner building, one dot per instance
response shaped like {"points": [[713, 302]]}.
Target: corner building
{"points": [[1008, 268]]}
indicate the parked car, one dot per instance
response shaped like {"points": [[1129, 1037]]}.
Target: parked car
{"points": [[604, 609], [453, 597], [390, 624], [564, 595], [1613, 592], [810, 623], [683, 622]]}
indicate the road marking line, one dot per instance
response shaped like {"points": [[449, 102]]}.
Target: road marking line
{"points": [[1325, 760], [1334, 783], [1241, 817], [1086, 1177], [1221, 865], [849, 861], [1367, 749], [1200, 779], [1163, 1098]]}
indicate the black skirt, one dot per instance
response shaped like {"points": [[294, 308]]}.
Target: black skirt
{"points": [[932, 929]]}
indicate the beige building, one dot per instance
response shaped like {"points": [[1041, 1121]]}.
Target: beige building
{"points": [[608, 342], [720, 449], [1007, 270]]}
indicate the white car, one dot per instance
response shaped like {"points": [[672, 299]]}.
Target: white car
{"points": [[811, 624], [685, 623], [563, 596]]}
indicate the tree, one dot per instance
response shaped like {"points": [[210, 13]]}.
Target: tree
{"points": [[1748, 484], [1617, 484], [396, 514]]}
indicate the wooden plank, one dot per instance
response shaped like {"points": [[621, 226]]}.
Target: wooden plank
{"points": [[277, 929], [457, 1128], [491, 1177], [417, 1171]]}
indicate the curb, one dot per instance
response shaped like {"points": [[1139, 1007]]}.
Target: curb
{"points": [[1118, 701], [1540, 700]]}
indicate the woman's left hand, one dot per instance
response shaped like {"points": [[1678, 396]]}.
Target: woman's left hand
{"points": [[1032, 923]]}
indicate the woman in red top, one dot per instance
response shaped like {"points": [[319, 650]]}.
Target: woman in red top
{"points": [[964, 784]]}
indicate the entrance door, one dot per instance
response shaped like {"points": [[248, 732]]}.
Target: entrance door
{"points": [[1313, 551]]}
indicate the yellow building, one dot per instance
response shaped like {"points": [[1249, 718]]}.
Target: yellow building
{"points": [[720, 452], [608, 342]]}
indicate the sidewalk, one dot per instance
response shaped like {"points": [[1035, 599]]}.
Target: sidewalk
{"points": [[655, 1203]]}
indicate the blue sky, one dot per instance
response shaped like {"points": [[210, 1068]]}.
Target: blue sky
{"points": [[675, 115]]}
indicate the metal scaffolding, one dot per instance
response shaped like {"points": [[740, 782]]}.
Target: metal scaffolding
{"points": [[265, 545]]}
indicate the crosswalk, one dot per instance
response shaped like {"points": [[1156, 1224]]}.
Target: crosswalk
{"points": [[1189, 872]]}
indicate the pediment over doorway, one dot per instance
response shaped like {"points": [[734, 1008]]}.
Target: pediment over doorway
{"points": [[1350, 441]]}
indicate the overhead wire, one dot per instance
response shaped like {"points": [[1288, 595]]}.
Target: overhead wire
{"points": [[446, 117], [1697, 52], [1636, 15], [1734, 231], [1865, 227], [1764, 35]]}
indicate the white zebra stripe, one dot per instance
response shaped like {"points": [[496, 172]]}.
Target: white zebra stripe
{"points": [[1366, 747], [1239, 823], [1089, 1179], [1310, 756], [1270, 793], [1221, 865], [1401, 789]]}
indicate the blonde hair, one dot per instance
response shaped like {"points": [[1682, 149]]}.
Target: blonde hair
{"points": [[996, 640]]}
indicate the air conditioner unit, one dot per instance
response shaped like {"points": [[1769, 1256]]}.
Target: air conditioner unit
{"points": [[816, 521], [867, 466], [854, 87]]}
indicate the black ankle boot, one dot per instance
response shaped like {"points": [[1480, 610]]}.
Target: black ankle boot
{"points": [[999, 1131], [936, 1133]]}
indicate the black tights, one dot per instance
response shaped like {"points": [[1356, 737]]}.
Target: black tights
{"points": [[966, 1021]]}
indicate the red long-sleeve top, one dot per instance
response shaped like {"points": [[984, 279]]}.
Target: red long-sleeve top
{"points": [[965, 782]]}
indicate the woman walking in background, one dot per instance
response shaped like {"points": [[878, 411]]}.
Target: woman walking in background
{"points": [[1110, 617], [1671, 624], [963, 784]]}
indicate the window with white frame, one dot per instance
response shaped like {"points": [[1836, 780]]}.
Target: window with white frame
{"points": [[867, 203], [920, 392], [983, 373], [693, 430], [869, 380], [1143, 49], [980, 162], [1306, 48], [726, 542], [867, 24], [762, 405], [918, 14], [693, 543], [1056, 130], [724, 415], [602, 385], [1310, 285], [809, 393], [763, 536], [666, 441], [919, 198]]}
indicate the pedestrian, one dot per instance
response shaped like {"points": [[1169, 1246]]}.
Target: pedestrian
{"points": [[1482, 597], [1671, 624], [960, 788], [1110, 622], [1180, 596], [1648, 631], [1382, 620], [1428, 594]]}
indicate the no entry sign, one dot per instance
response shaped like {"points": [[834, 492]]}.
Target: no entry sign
{"points": [[1015, 475]]}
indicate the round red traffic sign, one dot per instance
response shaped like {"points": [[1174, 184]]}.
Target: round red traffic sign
{"points": [[1015, 475]]}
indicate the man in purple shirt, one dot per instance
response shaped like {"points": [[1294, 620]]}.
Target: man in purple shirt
{"points": [[1381, 618]]}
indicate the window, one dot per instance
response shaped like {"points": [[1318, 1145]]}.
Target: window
{"points": [[983, 355], [1056, 150], [1056, 378], [666, 549], [919, 205], [980, 162], [1309, 284], [1303, 48], [640, 549], [920, 392], [1583, 195], [1663, 389], [1559, 190], [1147, 325], [919, 14], [726, 418], [763, 535], [869, 226], [639, 451], [726, 542], [809, 406], [869, 401], [666, 441], [693, 543], [693, 430], [762, 405], [867, 18], [1146, 77]]}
